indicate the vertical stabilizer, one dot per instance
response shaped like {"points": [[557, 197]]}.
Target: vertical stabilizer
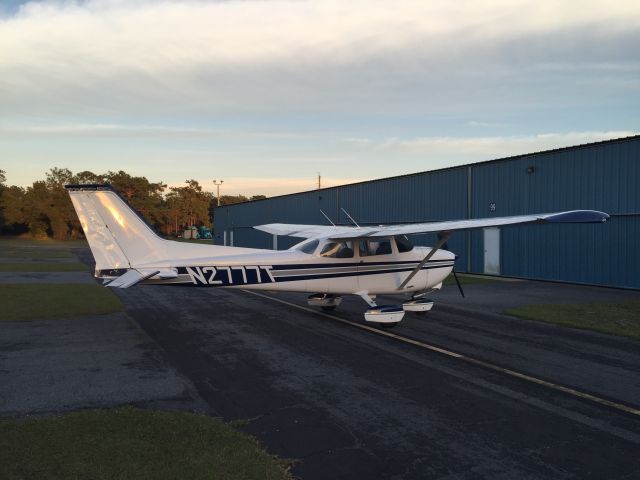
{"points": [[117, 236]]}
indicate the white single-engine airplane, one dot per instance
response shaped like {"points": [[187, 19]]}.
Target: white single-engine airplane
{"points": [[330, 262]]}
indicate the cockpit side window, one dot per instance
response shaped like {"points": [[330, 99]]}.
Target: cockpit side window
{"points": [[369, 248], [337, 250], [403, 243], [308, 246]]}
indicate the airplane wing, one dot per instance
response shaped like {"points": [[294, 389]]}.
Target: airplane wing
{"points": [[341, 233], [305, 231]]}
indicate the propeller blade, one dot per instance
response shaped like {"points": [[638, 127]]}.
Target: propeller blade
{"points": [[455, 275], [444, 245]]}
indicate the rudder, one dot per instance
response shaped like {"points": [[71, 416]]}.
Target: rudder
{"points": [[117, 236]]}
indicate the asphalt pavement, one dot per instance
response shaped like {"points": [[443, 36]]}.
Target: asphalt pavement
{"points": [[345, 402], [52, 366], [348, 403]]}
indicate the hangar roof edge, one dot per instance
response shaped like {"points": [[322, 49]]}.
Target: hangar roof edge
{"points": [[466, 165]]}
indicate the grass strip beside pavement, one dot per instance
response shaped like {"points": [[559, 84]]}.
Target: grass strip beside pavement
{"points": [[33, 252], [43, 267], [130, 443], [39, 301], [621, 319], [7, 242]]}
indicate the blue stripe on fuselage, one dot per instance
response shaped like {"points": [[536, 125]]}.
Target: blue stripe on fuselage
{"points": [[223, 276]]}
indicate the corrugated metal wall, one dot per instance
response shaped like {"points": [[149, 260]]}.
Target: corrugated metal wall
{"points": [[603, 176]]}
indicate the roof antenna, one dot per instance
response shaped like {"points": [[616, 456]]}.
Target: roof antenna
{"points": [[325, 216], [350, 218]]}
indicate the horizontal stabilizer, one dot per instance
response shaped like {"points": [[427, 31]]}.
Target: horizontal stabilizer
{"points": [[131, 278]]}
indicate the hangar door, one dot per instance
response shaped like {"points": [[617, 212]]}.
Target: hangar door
{"points": [[492, 251]]}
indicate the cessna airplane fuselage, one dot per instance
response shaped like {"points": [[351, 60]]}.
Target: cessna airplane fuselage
{"points": [[307, 267], [330, 262]]}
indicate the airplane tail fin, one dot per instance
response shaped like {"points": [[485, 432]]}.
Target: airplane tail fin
{"points": [[117, 236]]}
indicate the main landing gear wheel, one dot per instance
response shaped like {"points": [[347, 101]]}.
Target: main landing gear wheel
{"points": [[385, 315], [325, 301]]}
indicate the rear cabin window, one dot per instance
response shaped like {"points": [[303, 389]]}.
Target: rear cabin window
{"points": [[370, 248], [337, 250], [403, 243]]}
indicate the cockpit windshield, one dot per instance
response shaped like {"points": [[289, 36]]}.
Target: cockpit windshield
{"points": [[308, 246]]}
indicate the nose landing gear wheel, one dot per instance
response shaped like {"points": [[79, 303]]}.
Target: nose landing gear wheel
{"points": [[418, 305]]}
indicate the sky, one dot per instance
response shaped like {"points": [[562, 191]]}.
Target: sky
{"points": [[266, 94]]}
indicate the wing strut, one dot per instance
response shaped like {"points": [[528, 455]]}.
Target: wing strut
{"points": [[350, 218], [441, 241], [325, 216]]}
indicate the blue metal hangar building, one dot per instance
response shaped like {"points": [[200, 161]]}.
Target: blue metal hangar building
{"points": [[600, 176]]}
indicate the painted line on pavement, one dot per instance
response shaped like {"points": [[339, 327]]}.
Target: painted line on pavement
{"points": [[460, 356]]}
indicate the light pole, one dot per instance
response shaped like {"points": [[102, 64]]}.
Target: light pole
{"points": [[217, 184]]}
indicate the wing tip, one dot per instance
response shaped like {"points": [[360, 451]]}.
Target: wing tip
{"points": [[579, 216]]}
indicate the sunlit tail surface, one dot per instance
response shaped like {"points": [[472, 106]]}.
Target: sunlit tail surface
{"points": [[121, 240], [118, 238]]}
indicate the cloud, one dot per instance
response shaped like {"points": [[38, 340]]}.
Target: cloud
{"points": [[287, 88], [138, 130], [487, 148], [475, 123], [147, 58]]}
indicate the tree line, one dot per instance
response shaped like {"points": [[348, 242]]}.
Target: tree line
{"points": [[44, 209]]}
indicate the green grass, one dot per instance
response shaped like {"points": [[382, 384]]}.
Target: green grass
{"points": [[6, 242], [43, 267], [33, 252], [130, 443], [32, 256], [29, 301], [614, 318]]}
